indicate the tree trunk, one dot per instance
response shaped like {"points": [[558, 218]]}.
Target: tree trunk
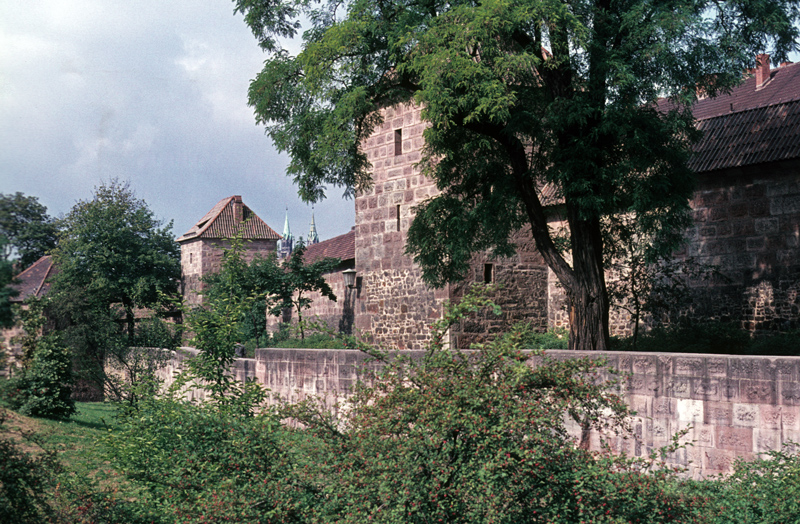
{"points": [[588, 297], [130, 321], [588, 318]]}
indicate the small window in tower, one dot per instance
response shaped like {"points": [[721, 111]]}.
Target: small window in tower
{"points": [[488, 273], [398, 217], [191, 258], [398, 142]]}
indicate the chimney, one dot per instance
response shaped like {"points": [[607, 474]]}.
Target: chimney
{"points": [[762, 70], [238, 212]]}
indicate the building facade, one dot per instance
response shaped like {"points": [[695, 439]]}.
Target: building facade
{"points": [[203, 245]]}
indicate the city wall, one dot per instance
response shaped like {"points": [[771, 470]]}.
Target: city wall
{"points": [[733, 407]]}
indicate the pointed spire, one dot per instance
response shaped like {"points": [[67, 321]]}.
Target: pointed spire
{"points": [[313, 238], [287, 233], [286, 243]]}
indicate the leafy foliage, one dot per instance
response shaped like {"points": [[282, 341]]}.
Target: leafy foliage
{"points": [[519, 96], [113, 249], [43, 389], [476, 437], [24, 480], [209, 463], [301, 278], [265, 286], [6, 294], [721, 338], [30, 232], [556, 338]]}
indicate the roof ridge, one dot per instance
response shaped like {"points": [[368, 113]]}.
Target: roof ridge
{"points": [[44, 279], [749, 110], [211, 220], [32, 266]]}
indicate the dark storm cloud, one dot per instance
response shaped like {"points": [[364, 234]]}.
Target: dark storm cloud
{"points": [[152, 92]]}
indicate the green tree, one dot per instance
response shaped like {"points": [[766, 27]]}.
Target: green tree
{"points": [[6, 294], [113, 249], [44, 387], [31, 233], [257, 283], [301, 278], [519, 96]]}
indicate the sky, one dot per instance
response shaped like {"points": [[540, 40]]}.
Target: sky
{"points": [[152, 92]]}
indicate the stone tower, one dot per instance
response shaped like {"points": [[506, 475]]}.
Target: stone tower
{"points": [[202, 246], [394, 305]]}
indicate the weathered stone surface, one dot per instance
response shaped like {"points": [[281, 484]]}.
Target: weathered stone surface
{"points": [[735, 439], [719, 430]]}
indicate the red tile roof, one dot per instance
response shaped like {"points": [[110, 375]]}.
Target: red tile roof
{"points": [[222, 222], [342, 247], [749, 125], [755, 136], [783, 86], [33, 281]]}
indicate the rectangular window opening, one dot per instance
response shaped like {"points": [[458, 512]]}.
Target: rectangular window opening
{"points": [[488, 273], [398, 217], [398, 142]]}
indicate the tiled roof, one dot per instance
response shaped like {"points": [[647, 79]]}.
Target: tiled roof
{"points": [[222, 222], [756, 136], [749, 125], [783, 86], [33, 281], [342, 247]]}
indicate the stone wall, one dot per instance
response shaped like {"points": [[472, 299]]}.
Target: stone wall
{"points": [[522, 293], [732, 407], [338, 316], [394, 307], [201, 257], [746, 234], [747, 223]]}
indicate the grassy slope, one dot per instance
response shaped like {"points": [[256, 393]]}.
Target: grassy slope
{"points": [[73, 440]]}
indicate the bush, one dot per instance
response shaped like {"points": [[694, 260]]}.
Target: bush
{"points": [[312, 341], [208, 462], [25, 480], [43, 389], [764, 491], [556, 338], [711, 338]]}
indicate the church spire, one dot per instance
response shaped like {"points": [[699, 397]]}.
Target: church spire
{"points": [[286, 243], [287, 233], [313, 238]]}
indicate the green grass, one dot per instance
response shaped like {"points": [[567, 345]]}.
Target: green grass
{"points": [[73, 440]]}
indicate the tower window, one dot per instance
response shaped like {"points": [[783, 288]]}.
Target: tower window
{"points": [[398, 217], [488, 273], [398, 142]]}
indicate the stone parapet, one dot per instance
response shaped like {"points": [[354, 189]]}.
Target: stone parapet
{"points": [[728, 406]]}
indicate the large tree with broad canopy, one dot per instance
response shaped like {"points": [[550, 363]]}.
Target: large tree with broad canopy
{"points": [[520, 96]]}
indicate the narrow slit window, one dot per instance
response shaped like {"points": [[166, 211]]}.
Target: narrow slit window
{"points": [[398, 217], [398, 142], [488, 273]]}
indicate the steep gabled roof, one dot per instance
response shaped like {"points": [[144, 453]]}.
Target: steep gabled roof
{"points": [[342, 247], [225, 220], [33, 281]]}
